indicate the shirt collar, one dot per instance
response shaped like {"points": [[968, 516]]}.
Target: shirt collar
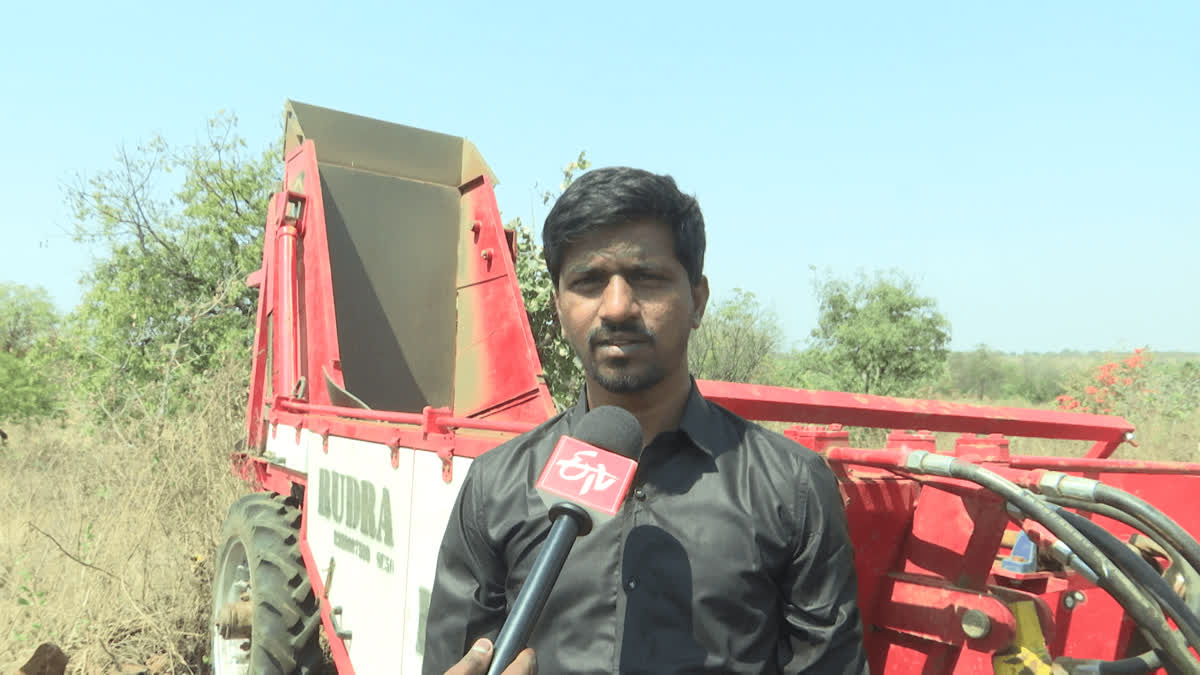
{"points": [[704, 425]]}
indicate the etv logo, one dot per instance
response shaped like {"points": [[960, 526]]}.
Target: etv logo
{"points": [[587, 475], [576, 469]]}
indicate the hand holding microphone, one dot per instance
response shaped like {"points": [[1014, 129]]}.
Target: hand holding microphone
{"points": [[475, 662], [585, 480]]}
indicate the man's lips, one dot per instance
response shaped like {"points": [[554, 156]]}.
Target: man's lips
{"points": [[620, 346], [620, 342]]}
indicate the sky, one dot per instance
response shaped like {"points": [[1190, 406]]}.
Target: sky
{"points": [[1032, 167]]}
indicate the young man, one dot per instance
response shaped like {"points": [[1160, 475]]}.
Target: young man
{"points": [[731, 554]]}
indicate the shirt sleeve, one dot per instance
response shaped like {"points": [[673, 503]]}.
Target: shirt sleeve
{"points": [[467, 601], [823, 626]]}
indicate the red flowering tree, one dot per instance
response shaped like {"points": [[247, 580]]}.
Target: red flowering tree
{"points": [[1118, 387]]}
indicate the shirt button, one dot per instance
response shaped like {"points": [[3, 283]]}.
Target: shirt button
{"points": [[631, 584], [639, 494]]}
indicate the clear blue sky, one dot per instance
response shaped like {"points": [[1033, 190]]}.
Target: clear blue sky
{"points": [[1034, 167]]}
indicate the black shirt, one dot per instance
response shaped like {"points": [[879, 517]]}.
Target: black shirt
{"points": [[731, 555]]}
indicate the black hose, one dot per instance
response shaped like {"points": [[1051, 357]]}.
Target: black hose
{"points": [[1146, 662], [1189, 574], [1120, 516], [1154, 519], [1139, 608], [1142, 573]]}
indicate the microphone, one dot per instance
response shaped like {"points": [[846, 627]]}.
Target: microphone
{"points": [[585, 480]]}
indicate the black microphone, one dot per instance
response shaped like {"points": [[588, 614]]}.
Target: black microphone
{"points": [[585, 479]]}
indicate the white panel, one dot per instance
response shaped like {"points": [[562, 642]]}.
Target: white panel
{"points": [[432, 500], [370, 577], [283, 448]]}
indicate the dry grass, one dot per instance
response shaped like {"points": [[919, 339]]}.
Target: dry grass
{"points": [[105, 544]]}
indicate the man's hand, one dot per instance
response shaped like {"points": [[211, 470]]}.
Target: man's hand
{"points": [[476, 661]]}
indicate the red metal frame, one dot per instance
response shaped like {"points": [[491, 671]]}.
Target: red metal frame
{"points": [[926, 546], [781, 404]]}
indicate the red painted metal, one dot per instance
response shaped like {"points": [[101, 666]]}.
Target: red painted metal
{"points": [[286, 348], [817, 437], [781, 404], [908, 440], [460, 443], [932, 609], [943, 541], [435, 418], [337, 646], [496, 349], [1103, 449], [265, 476], [926, 546], [1085, 464], [317, 318]]}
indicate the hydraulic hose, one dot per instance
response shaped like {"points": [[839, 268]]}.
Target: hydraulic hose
{"points": [[1120, 516], [1154, 519], [1141, 572], [1143, 611], [1190, 577], [1146, 662]]}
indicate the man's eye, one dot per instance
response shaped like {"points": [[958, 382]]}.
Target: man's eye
{"points": [[584, 283]]}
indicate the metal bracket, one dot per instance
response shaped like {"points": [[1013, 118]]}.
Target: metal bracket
{"points": [[300, 389], [335, 617]]}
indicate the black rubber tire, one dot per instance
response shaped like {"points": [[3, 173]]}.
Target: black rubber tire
{"points": [[286, 620]]}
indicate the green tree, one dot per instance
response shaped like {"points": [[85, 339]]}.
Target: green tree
{"points": [[801, 368], [28, 325], [167, 300], [1040, 378], [981, 373], [27, 317], [877, 334], [562, 369], [736, 340]]}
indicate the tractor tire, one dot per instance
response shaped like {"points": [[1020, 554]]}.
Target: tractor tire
{"points": [[265, 618]]}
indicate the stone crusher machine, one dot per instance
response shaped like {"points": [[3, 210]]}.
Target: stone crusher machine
{"points": [[393, 347]]}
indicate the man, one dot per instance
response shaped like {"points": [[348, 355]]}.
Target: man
{"points": [[731, 554]]}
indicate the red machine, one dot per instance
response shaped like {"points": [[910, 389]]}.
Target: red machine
{"points": [[393, 347]]}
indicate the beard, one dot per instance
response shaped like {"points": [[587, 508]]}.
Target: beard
{"points": [[621, 375], [622, 379]]}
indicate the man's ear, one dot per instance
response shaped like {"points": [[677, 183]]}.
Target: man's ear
{"points": [[699, 300]]}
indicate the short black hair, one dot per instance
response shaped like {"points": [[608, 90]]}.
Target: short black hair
{"points": [[618, 195]]}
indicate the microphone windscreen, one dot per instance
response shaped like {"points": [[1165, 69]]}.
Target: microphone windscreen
{"points": [[612, 428]]}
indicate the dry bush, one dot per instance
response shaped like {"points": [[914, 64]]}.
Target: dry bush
{"points": [[106, 533]]}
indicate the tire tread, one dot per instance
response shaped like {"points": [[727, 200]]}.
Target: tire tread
{"points": [[287, 617]]}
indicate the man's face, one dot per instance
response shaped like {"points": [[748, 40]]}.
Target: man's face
{"points": [[627, 307]]}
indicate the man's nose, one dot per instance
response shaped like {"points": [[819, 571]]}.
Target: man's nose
{"points": [[619, 302]]}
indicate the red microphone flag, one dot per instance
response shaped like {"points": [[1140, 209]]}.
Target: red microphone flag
{"points": [[587, 475]]}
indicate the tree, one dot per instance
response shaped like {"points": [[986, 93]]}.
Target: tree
{"points": [[562, 369], [28, 323], [877, 335], [168, 299], [803, 369], [736, 340], [981, 372], [1040, 378], [27, 316]]}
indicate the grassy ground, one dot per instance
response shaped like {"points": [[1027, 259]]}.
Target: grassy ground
{"points": [[105, 541]]}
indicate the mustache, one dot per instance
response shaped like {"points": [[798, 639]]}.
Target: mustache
{"points": [[630, 332]]}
